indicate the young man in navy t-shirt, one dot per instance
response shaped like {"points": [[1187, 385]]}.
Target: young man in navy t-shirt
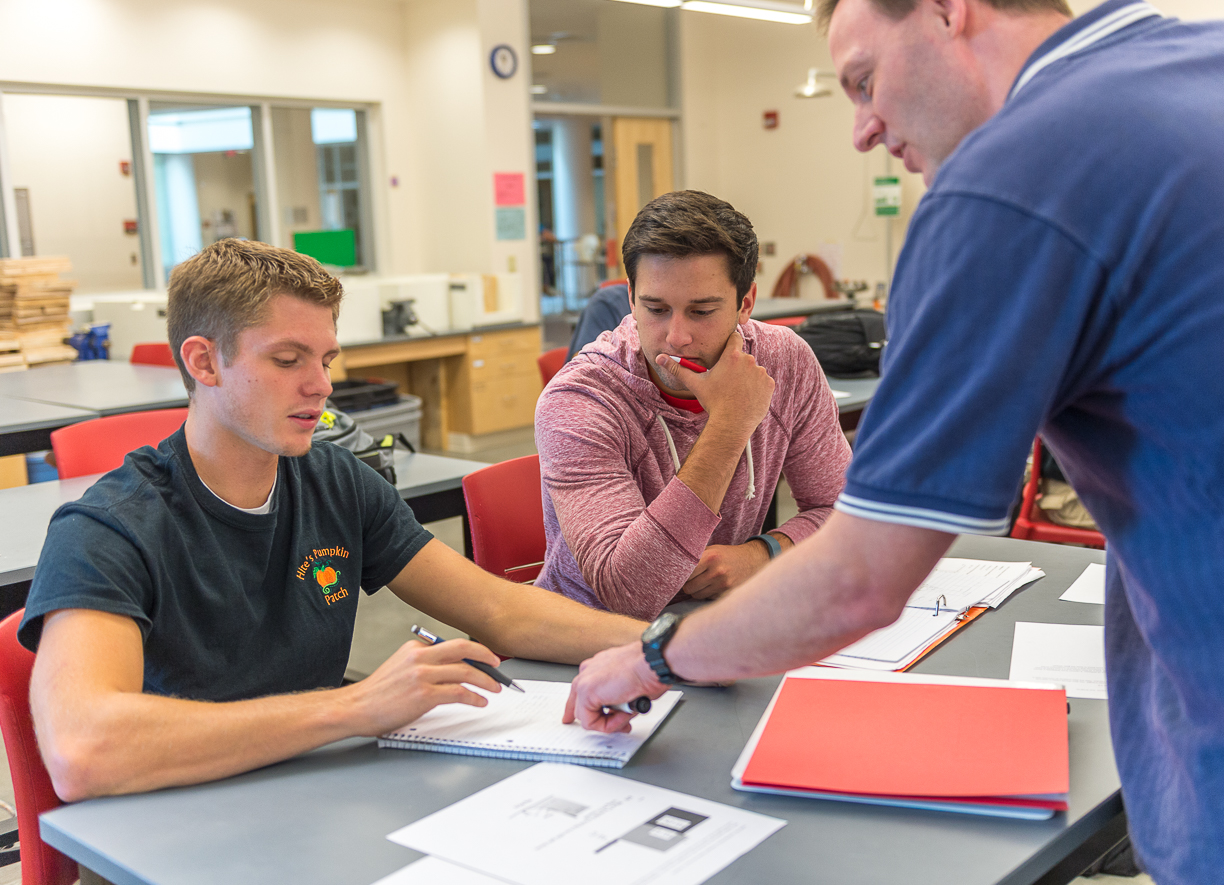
{"points": [[1063, 275], [193, 611]]}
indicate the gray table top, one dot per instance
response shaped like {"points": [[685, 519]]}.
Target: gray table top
{"points": [[323, 817], [861, 391], [773, 308], [25, 511], [18, 415], [108, 387]]}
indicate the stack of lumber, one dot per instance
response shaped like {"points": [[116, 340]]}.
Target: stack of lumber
{"points": [[34, 311]]}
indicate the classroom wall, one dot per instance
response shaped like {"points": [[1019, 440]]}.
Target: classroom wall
{"points": [[439, 125], [66, 151], [803, 184]]}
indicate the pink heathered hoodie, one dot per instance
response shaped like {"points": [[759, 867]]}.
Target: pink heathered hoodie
{"points": [[624, 533]]}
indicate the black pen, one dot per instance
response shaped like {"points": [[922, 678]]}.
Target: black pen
{"points": [[498, 675], [637, 705]]}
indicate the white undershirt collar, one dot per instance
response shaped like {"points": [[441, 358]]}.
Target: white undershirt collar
{"points": [[265, 507]]}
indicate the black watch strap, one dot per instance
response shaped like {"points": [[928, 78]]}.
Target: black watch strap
{"points": [[654, 640]]}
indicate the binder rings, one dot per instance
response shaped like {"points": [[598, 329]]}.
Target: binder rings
{"points": [[982, 746], [526, 727]]}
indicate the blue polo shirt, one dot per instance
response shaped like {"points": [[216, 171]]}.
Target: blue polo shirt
{"points": [[1064, 275]]}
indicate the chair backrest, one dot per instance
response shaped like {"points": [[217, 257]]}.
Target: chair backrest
{"points": [[99, 445], [40, 863], [155, 353], [1031, 522], [550, 362], [506, 517]]}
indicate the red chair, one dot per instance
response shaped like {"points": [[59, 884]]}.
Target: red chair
{"points": [[99, 445], [157, 353], [550, 362], [506, 517], [40, 863], [1032, 524]]}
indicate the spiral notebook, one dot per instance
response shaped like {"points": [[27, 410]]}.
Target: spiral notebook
{"points": [[526, 726]]}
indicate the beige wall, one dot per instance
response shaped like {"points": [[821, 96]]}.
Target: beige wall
{"points": [[438, 122], [67, 151], [803, 185], [297, 170]]}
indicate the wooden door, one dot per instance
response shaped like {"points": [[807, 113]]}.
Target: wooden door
{"points": [[641, 169]]}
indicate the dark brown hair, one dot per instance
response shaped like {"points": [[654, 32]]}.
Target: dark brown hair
{"points": [[899, 9], [224, 289], [687, 223]]}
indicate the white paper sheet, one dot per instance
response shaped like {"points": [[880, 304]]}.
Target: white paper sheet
{"points": [[432, 871], [892, 647], [526, 726], [1072, 655], [557, 824], [963, 583], [841, 394], [1089, 586]]}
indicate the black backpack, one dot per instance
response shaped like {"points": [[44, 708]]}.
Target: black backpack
{"points": [[336, 427], [848, 343]]}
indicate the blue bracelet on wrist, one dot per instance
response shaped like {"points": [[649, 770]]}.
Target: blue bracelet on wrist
{"points": [[771, 542]]}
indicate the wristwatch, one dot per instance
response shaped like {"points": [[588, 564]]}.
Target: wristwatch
{"points": [[654, 640], [775, 549]]}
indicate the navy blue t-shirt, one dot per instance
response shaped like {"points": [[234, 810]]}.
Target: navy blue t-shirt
{"points": [[1065, 275], [231, 605]]}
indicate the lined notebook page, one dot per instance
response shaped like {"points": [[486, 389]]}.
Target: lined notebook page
{"points": [[526, 726]]}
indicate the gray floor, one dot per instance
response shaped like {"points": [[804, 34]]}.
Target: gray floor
{"points": [[383, 623]]}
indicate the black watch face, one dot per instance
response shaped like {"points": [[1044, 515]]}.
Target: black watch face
{"points": [[658, 629]]}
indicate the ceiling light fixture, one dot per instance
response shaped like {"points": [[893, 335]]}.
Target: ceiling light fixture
{"points": [[812, 88], [763, 10], [538, 89], [669, 4], [543, 49]]}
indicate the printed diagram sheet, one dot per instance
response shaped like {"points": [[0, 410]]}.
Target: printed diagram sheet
{"points": [[555, 824]]}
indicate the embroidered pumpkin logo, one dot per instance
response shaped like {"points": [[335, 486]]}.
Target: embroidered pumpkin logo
{"points": [[325, 576]]}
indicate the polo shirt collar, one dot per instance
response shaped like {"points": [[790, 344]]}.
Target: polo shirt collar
{"points": [[1090, 28]]}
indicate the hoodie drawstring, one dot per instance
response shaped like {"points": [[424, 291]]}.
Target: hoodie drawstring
{"points": [[749, 493]]}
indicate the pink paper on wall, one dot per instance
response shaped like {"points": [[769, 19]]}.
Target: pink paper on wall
{"points": [[508, 189]]}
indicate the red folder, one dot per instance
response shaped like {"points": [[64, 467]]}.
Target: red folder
{"points": [[987, 745]]}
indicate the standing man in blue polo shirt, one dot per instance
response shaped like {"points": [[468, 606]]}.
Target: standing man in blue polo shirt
{"points": [[1063, 275]]}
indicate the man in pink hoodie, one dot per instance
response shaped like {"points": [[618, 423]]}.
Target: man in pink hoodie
{"points": [[657, 479]]}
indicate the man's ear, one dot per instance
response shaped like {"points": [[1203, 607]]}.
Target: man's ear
{"points": [[953, 15], [745, 310], [202, 359]]}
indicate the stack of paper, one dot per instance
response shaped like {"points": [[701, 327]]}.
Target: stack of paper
{"points": [[981, 746], [956, 592]]}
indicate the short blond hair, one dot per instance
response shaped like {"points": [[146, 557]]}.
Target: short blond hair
{"points": [[224, 289]]}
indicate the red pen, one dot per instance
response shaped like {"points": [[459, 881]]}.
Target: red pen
{"points": [[688, 364]]}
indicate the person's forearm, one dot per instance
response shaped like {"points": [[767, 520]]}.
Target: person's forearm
{"points": [[834, 588], [711, 463], [546, 626], [94, 751], [804, 524]]}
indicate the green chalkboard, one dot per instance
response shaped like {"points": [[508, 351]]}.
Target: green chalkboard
{"points": [[335, 247]]}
